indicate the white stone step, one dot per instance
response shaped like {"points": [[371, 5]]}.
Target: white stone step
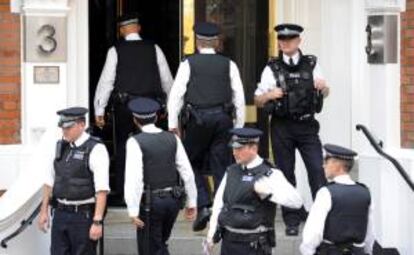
{"points": [[120, 237]]}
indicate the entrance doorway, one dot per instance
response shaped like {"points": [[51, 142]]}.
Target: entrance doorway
{"points": [[160, 22], [168, 23]]}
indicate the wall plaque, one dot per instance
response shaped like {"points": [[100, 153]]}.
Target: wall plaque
{"points": [[46, 75]]}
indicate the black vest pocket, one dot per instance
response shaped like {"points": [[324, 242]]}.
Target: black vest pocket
{"points": [[240, 216]]}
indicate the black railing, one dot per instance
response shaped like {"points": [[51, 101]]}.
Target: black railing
{"points": [[23, 225], [378, 148]]}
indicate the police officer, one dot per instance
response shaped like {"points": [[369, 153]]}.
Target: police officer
{"points": [[133, 67], [78, 184], [245, 203], [340, 220], [155, 163], [209, 90], [291, 90]]}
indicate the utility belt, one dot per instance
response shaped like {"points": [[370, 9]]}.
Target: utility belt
{"points": [[82, 208], [328, 248], [263, 241], [190, 111], [245, 235], [175, 192], [122, 97], [300, 117]]}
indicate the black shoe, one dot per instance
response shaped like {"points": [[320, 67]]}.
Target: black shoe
{"points": [[203, 216], [292, 230]]}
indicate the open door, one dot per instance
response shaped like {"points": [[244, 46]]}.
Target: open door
{"points": [[160, 21]]}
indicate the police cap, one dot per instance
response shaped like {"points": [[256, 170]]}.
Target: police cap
{"points": [[144, 108], [69, 116], [206, 31], [244, 136], [339, 152], [128, 19], [288, 31]]}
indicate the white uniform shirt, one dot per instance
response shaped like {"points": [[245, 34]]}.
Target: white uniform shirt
{"points": [[268, 81], [98, 164], [315, 224], [276, 185], [134, 170], [176, 99], [107, 79]]}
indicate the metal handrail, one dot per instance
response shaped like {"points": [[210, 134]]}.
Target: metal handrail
{"points": [[378, 148], [23, 225]]}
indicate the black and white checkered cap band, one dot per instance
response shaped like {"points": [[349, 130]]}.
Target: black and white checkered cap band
{"points": [[207, 38], [288, 32], [344, 157], [242, 140], [130, 21], [145, 116]]}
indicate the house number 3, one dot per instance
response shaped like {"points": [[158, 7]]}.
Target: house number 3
{"points": [[48, 42]]}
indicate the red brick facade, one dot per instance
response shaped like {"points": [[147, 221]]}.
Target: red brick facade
{"points": [[9, 75]]}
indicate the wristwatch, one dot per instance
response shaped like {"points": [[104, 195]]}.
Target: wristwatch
{"points": [[97, 222]]}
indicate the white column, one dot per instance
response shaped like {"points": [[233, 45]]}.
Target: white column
{"points": [[41, 101], [380, 103], [78, 54]]}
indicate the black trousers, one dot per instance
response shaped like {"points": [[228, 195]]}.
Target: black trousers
{"points": [[207, 148], [164, 211], [124, 126], [287, 136], [70, 233]]}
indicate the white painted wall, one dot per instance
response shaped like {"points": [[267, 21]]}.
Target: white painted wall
{"points": [[19, 174], [40, 102], [360, 93], [393, 201], [332, 44]]}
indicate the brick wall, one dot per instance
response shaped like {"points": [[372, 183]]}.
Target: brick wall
{"points": [[9, 75]]}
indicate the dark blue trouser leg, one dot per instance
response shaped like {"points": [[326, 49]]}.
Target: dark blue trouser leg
{"points": [[283, 146], [287, 136], [164, 212], [207, 148], [310, 148], [196, 142], [124, 125], [70, 234], [220, 153]]}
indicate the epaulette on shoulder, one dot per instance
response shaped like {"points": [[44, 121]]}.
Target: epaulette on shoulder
{"points": [[274, 64], [312, 59], [273, 60], [271, 167], [362, 185], [330, 184], [269, 172]]}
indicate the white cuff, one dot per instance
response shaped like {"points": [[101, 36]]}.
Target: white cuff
{"points": [[99, 112], [133, 211]]}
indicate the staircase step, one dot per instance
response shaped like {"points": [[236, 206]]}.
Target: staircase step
{"points": [[120, 237]]}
